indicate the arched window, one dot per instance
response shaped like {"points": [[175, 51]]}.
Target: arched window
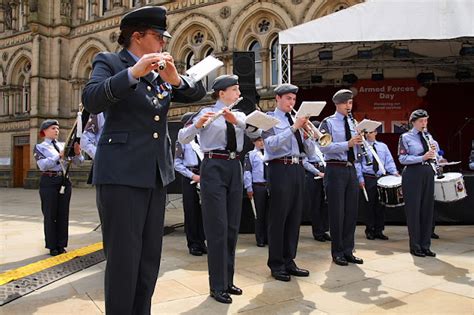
{"points": [[255, 47], [212, 75], [189, 60], [274, 61], [105, 6]]}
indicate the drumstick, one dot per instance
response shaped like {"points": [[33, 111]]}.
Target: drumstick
{"points": [[365, 194]]}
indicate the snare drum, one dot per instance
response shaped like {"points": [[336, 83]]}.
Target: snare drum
{"points": [[390, 191], [450, 188]]}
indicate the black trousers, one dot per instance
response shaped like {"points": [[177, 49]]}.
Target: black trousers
{"points": [[55, 208], [418, 193], [284, 216], [262, 202], [221, 199], [375, 211], [314, 200], [193, 226], [342, 190], [132, 229]]}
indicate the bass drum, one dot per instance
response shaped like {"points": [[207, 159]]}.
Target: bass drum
{"points": [[390, 191], [450, 188]]}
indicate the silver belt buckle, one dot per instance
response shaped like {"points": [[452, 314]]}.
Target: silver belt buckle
{"points": [[348, 164], [232, 155], [295, 160]]}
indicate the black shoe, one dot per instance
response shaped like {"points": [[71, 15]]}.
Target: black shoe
{"points": [[327, 237], [370, 236], [204, 249], [260, 244], [221, 296], [281, 275], [298, 272], [417, 252], [353, 259], [320, 238], [381, 236], [341, 261], [195, 251], [53, 252], [61, 250], [428, 252], [234, 290], [434, 236]]}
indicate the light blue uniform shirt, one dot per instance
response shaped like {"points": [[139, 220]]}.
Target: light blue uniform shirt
{"points": [[92, 131], [280, 141], [310, 160], [339, 147], [214, 136], [253, 169], [185, 157], [410, 147], [47, 157], [385, 157]]}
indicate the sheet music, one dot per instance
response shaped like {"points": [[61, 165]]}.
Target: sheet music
{"points": [[261, 120], [308, 109], [368, 125], [204, 67]]}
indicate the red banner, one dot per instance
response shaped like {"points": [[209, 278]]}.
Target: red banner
{"points": [[387, 101]]}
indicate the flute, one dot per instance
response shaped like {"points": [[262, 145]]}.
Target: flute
{"points": [[220, 113]]}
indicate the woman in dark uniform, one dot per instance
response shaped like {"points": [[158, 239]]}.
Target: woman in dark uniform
{"points": [[417, 151]]}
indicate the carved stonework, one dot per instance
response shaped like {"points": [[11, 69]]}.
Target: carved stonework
{"points": [[113, 37], [296, 1], [8, 17], [33, 4], [225, 12], [65, 8], [15, 125]]}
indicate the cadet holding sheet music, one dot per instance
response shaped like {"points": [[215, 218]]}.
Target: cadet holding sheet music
{"points": [[285, 148], [221, 182]]}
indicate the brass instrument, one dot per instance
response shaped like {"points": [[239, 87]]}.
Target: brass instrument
{"points": [[220, 113], [433, 162], [364, 153], [324, 139]]}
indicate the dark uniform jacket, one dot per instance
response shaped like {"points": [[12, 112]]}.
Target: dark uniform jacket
{"points": [[134, 144]]}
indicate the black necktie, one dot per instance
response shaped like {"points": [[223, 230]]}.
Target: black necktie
{"points": [[423, 142], [197, 155], [231, 140], [264, 168], [350, 153], [297, 133], [55, 146], [375, 165]]}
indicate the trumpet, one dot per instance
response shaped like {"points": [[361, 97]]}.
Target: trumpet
{"points": [[324, 139], [433, 162], [220, 113]]}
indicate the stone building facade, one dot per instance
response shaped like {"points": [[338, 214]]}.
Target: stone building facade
{"points": [[46, 49]]}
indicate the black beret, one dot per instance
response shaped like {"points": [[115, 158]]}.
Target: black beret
{"points": [[286, 88], [224, 81], [152, 17], [46, 124], [342, 96], [419, 113], [187, 117]]}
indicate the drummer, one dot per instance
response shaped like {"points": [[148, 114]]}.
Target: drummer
{"points": [[368, 176], [418, 156]]}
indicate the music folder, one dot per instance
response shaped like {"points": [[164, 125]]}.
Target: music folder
{"points": [[261, 120], [308, 109], [368, 125], [204, 67]]}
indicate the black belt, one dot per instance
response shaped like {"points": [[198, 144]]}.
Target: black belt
{"points": [[263, 184], [339, 163], [222, 155], [370, 175], [52, 173], [287, 160], [194, 169]]}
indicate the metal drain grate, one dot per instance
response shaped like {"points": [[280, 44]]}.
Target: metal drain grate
{"points": [[28, 284]]}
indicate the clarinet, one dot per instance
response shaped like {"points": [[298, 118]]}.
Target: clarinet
{"points": [[364, 153], [220, 113], [432, 162]]}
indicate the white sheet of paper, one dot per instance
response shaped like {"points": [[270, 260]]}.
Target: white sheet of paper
{"points": [[204, 67], [261, 120], [308, 109], [368, 125]]}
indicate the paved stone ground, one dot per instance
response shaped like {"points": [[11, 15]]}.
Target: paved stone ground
{"points": [[390, 280]]}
